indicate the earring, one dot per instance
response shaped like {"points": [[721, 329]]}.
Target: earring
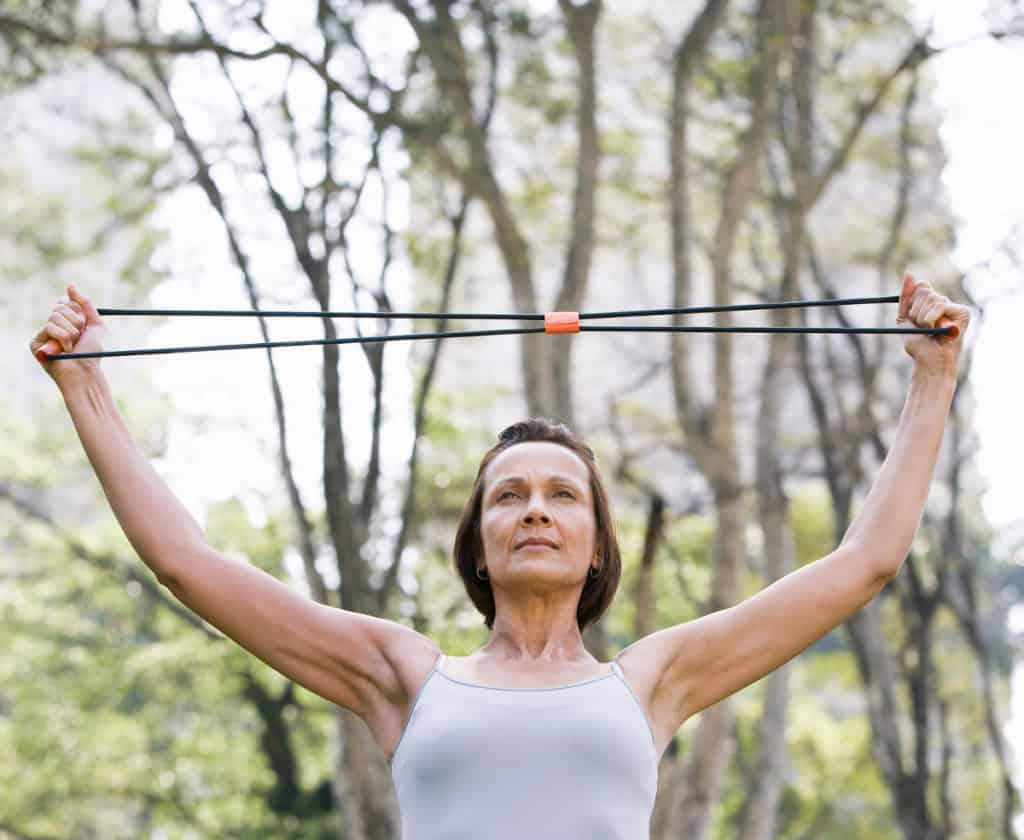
{"points": [[483, 576]]}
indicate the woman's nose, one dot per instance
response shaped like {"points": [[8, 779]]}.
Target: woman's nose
{"points": [[535, 513]]}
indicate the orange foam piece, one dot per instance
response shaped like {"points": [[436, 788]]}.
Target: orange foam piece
{"points": [[561, 322], [51, 348]]}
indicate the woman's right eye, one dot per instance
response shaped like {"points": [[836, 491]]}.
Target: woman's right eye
{"points": [[506, 493]]}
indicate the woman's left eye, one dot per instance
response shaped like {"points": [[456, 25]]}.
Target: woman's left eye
{"points": [[568, 493]]}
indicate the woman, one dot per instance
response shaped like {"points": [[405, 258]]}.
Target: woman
{"points": [[530, 736]]}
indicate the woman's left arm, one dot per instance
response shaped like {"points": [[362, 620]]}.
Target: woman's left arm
{"points": [[884, 528], [703, 661]]}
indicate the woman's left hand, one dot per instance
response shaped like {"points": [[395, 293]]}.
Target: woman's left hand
{"points": [[922, 306]]}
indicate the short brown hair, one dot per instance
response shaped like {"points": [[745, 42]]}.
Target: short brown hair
{"points": [[599, 591]]}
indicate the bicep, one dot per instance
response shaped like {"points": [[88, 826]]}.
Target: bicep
{"points": [[338, 654], [725, 651]]}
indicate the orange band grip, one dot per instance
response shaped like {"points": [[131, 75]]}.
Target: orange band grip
{"points": [[50, 348], [561, 322]]}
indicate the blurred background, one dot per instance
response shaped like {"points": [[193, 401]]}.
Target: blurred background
{"points": [[516, 156]]}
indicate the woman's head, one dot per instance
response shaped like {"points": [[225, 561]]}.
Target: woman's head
{"points": [[539, 481]]}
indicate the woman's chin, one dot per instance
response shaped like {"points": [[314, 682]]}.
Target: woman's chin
{"points": [[547, 569]]}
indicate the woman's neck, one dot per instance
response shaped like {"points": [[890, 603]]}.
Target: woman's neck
{"points": [[539, 648]]}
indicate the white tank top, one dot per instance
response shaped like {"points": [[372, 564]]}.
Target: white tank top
{"points": [[575, 761]]}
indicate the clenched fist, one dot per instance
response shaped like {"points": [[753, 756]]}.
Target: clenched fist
{"points": [[922, 306], [74, 326]]}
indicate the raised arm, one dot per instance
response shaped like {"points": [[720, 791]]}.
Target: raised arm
{"points": [[343, 656], [703, 661]]}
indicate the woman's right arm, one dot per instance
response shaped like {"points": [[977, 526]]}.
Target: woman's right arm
{"points": [[344, 656]]}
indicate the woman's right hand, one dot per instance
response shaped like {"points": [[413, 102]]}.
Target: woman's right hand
{"points": [[74, 326]]}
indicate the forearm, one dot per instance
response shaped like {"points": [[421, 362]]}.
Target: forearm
{"points": [[158, 526], [884, 527]]}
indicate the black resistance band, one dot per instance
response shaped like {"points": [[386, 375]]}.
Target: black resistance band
{"points": [[554, 322]]}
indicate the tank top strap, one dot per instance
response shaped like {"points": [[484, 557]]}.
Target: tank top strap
{"points": [[618, 670], [439, 665]]}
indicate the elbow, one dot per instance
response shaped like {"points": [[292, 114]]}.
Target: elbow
{"points": [[165, 575], [888, 562], [170, 567], [173, 564], [887, 575], [883, 565]]}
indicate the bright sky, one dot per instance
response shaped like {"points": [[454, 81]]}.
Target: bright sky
{"points": [[984, 135]]}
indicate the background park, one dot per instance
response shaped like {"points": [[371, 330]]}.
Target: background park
{"points": [[519, 156]]}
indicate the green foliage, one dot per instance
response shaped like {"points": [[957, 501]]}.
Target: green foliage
{"points": [[810, 517], [518, 21], [112, 706]]}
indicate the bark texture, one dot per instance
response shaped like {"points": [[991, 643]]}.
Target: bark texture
{"points": [[711, 432]]}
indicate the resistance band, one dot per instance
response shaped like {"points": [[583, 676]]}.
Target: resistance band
{"points": [[554, 322]]}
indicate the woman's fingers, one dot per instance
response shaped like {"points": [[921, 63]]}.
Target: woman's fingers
{"points": [[39, 340], [73, 312], [906, 293], [955, 317], [62, 326], [927, 308], [926, 305], [91, 315], [43, 346], [64, 338], [915, 310], [932, 312], [922, 306], [920, 303], [67, 322], [62, 320]]}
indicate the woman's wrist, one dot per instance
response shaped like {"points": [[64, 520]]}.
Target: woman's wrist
{"points": [[75, 384], [932, 376], [930, 394]]}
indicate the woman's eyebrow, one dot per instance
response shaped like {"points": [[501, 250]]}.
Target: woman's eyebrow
{"points": [[518, 479]]}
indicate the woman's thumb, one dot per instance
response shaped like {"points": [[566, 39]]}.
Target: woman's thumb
{"points": [[906, 292], [92, 316]]}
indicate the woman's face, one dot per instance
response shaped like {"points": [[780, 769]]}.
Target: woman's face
{"points": [[541, 492]]}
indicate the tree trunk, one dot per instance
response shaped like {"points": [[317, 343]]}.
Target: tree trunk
{"points": [[719, 455], [701, 778], [765, 782], [713, 743], [644, 605], [368, 807], [581, 22]]}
